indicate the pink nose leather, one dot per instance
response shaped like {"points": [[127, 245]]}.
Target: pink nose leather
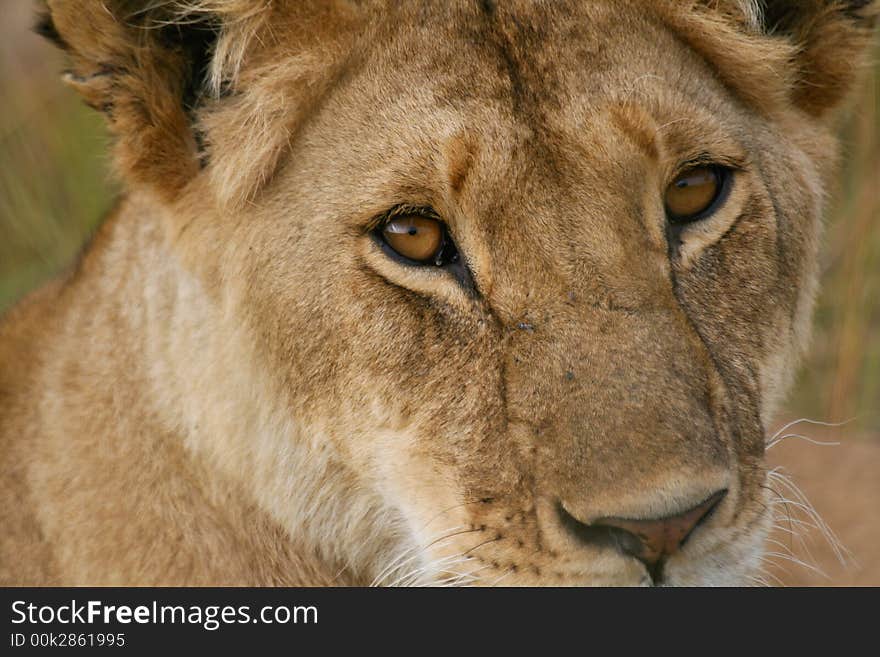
{"points": [[661, 537]]}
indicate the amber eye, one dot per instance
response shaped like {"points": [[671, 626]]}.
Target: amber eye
{"points": [[693, 193], [415, 237]]}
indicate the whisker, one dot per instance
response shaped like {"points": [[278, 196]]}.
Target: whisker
{"points": [[780, 544], [451, 508], [797, 528], [456, 580], [394, 564], [842, 553], [472, 575], [766, 573], [758, 580], [788, 530], [814, 422], [416, 552], [774, 504], [410, 577], [799, 562], [441, 566], [776, 579], [796, 522], [812, 441], [403, 558], [479, 545], [500, 579]]}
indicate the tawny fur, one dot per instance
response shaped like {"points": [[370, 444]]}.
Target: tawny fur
{"points": [[234, 385]]}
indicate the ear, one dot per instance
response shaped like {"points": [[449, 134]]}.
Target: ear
{"points": [[212, 87], [831, 39], [149, 66], [779, 53]]}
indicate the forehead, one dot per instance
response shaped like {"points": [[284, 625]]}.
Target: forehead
{"points": [[557, 76], [561, 90], [496, 115], [535, 62]]}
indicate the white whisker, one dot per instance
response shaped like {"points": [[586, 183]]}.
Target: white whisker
{"points": [[501, 578], [408, 556], [812, 441], [799, 562], [843, 555], [809, 421], [439, 567]]}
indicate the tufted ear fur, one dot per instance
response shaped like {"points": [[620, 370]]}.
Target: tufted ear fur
{"points": [[779, 53], [168, 75], [831, 38], [144, 68]]}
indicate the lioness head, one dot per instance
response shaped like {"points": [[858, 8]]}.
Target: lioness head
{"points": [[482, 292]]}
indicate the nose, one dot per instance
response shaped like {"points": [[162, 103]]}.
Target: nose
{"points": [[650, 540]]}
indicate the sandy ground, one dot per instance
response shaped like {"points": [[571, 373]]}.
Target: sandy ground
{"points": [[843, 483]]}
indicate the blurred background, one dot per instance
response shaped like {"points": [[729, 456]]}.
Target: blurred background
{"points": [[55, 186]]}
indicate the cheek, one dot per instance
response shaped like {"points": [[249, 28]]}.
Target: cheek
{"points": [[796, 192], [750, 293], [404, 468], [736, 282], [733, 296], [342, 335]]}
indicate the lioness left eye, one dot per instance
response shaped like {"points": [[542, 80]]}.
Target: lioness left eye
{"points": [[418, 239], [694, 194]]}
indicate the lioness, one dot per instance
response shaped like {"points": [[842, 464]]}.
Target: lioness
{"points": [[473, 292]]}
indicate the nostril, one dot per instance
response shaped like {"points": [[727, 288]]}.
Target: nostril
{"points": [[662, 537], [650, 540], [599, 535]]}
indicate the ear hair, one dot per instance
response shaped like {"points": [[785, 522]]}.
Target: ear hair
{"points": [[779, 53], [149, 66], [831, 38], [746, 13], [792, 16]]}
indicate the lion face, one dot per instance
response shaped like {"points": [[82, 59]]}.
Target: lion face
{"points": [[467, 339], [584, 358]]}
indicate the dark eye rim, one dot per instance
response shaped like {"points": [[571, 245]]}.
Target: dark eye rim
{"points": [[724, 176], [447, 254]]}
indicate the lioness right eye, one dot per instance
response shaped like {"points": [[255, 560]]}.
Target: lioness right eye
{"points": [[694, 193], [414, 237], [419, 239]]}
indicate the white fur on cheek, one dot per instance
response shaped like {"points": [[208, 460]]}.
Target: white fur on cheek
{"points": [[238, 423]]}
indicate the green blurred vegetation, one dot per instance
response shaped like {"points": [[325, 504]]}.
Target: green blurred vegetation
{"points": [[54, 174], [53, 190], [840, 379], [55, 186]]}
